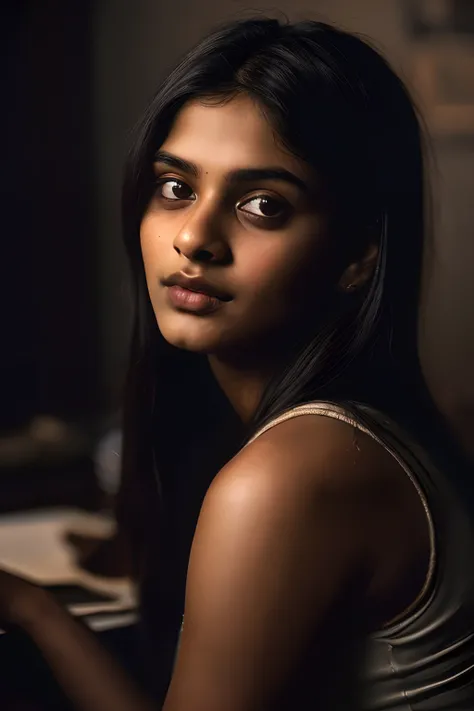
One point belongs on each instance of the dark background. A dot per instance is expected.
(49, 288)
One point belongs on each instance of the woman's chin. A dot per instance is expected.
(187, 344)
(196, 338)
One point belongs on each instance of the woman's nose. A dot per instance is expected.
(201, 240)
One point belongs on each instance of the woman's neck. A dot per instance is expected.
(242, 385)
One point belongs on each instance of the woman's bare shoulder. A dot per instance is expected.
(323, 453)
(345, 473)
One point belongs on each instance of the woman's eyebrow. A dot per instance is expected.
(240, 175)
(245, 175)
(178, 163)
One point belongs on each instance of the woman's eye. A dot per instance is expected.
(172, 189)
(263, 207)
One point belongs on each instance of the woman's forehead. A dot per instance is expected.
(232, 135)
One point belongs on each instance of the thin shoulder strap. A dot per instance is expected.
(326, 409)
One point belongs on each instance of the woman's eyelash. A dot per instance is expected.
(161, 182)
(263, 199)
(259, 199)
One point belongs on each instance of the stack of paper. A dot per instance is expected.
(33, 545)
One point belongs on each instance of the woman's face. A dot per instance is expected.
(234, 214)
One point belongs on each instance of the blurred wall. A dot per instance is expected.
(137, 43)
(48, 285)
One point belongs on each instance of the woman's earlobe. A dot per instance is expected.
(359, 273)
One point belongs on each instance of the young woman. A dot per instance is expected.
(274, 221)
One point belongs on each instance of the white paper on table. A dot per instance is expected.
(33, 545)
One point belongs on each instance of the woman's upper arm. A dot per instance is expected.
(274, 547)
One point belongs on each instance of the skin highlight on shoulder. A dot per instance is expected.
(346, 472)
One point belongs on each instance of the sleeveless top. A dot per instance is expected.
(424, 659)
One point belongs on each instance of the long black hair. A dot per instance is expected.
(336, 103)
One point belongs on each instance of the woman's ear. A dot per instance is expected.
(357, 274)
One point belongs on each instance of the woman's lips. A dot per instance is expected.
(192, 301)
